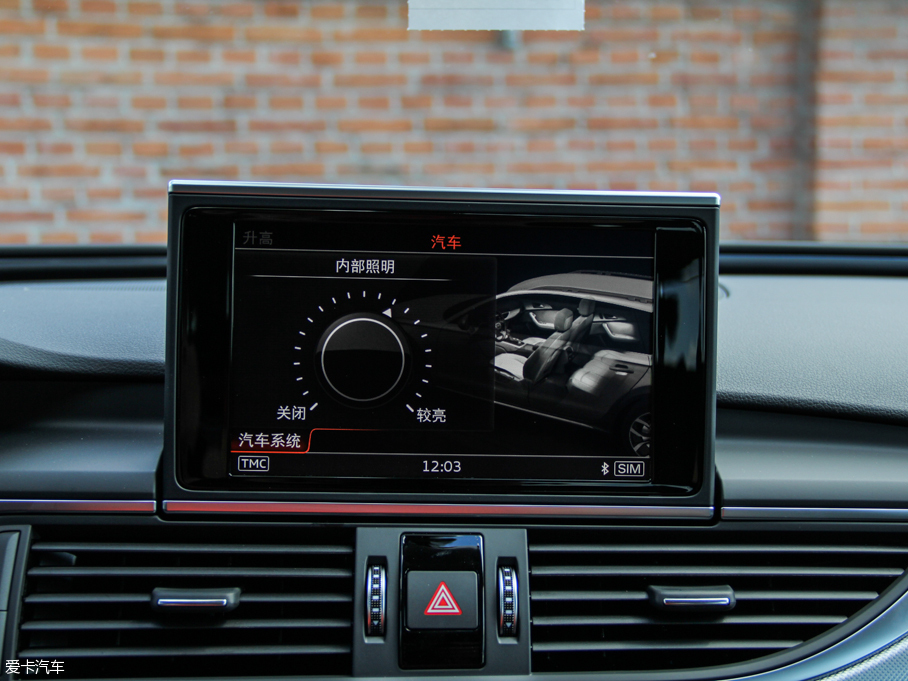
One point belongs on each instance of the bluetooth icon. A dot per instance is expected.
(605, 468)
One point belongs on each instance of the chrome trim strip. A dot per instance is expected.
(192, 602)
(330, 508)
(684, 602)
(75, 506)
(442, 193)
(811, 513)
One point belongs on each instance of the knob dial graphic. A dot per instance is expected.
(362, 359)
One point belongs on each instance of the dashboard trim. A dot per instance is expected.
(694, 512)
(443, 193)
(813, 513)
(76, 506)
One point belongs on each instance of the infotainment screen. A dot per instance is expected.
(428, 346)
(440, 347)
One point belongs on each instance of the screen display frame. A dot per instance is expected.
(199, 337)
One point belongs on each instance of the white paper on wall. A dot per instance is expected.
(496, 15)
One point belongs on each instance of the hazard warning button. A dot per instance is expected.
(442, 600)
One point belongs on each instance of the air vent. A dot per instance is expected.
(88, 603)
(594, 607)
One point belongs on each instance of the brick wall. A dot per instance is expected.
(103, 101)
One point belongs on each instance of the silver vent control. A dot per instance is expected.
(507, 601)
(376, 599)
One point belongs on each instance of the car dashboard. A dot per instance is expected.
(808, 529)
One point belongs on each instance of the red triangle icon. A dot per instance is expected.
(443, 603)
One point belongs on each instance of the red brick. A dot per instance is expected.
(283, 34)
(458, 101)
(693, 165)
(24, 124)
(281, 9)
(622, 123)
(376, 147)
(283, 80)
(457, 80)
(416, 101)
(755, 205)
(585, 57)
(886, 99)
(186, 78)
(424, 147)
(239, 56)
(216, 172)
(706, 122)
(543, 124)
(856, 76)
(624, 56)
(623, 35)
(50, 5)
(99, 30)
(714, 80)
(198, 56)
(64, 170)
(195, 102)
(771, 37)
(64, 148)
(241, 147)
(99, 6)
(10, 238)
(730, 37)
(450, 124)
(95, 215)
(150, 149)
(540, 79)
(286, 102)
(146, 54)
(662, 100)
(375, 125)
(639, 166)
(374, 103)
(51, 52)
(371, 12)
(327, 147)
(240, 102)
(57, 237)
(103, 148)
(857, 121)
(462, 36)
(102, 193)
(370, 58)
(327, 58)
(295, 169)
(21, 27)
(205, 149)
(12, 148)
(105, 125)
(624, 79)
(414, 57)
(550, 167)
(113, 77)
(197, 126)
(860, 33)
(149, 102)
(145, 8)
(286, 126)
(24, 75)
(377, 34)
(334, 11)
(151, 237)
(100, 53)
(194, 32)
(383, 80)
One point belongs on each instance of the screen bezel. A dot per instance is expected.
(199, 352)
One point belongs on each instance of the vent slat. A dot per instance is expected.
(611, 596)
(770, 595)
(208, 651)
(289, 549)
(146, 598)
(708, 570)
(106, 625)
(693, 549)
(187, 572)
(592, 646)
(617, 620)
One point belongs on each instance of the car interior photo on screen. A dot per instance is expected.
(444, 339)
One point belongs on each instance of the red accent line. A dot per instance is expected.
(296, 451)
